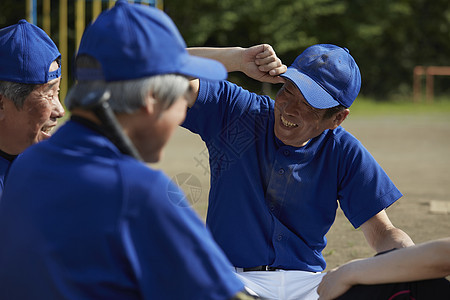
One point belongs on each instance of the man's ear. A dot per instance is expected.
(149, 107)
(340, 117)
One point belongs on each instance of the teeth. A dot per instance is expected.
(47, 130)
(287, 123)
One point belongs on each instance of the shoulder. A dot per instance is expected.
(350, 154)
(220, 104)
(140, 175)
(343, 137)
(342, 142)
(215, 91)
(152, 187)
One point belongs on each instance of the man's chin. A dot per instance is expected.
(279, 134)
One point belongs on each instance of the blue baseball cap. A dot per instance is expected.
(26, 53)
(326, 75)
(133, 41)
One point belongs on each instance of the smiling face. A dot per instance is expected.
(296, 122)
(35, 120)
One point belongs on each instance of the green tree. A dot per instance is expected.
(387, 38)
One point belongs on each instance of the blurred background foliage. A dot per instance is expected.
(386, 37)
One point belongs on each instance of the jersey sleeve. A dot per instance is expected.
(364, 188)
(221, 104)
(172, 253)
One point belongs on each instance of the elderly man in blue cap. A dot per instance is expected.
(93, 221)
(279, 168)
(30, 74)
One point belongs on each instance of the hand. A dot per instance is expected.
(333, 284)
(261, 63)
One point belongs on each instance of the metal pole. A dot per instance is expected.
(46, 20)
(63, 46)
(160, 4)
(79, 21)
(96, 8)
(31, 12)
(35, 12)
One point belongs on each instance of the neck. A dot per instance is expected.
(114, 131)
(8, 144)
(7, 156)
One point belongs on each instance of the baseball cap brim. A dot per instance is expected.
(313, 93)
(202, 68)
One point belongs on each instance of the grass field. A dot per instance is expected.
(367, 107)
(411, 141)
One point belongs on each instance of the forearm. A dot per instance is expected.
(426, 261)
(259, 62)
(230, 57)
(382, 235)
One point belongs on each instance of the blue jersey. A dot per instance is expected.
(80, 220)
(5, 163)
(272, 204)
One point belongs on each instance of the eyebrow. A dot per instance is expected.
(312, 108)
(303, 99)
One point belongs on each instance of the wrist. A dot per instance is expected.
(236, 59)
(350, 273)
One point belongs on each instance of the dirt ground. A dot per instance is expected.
(413, 150)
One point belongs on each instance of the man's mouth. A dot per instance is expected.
(287, 123)
(47, 130)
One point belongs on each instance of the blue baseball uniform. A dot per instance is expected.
(80, 220)
(272, 204)
(5, 163)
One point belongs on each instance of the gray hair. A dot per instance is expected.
(129, 95)
(16, 92)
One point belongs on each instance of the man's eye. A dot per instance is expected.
(288, 91)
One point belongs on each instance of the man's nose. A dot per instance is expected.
(58, 110)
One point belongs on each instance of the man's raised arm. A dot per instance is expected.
(258, 62)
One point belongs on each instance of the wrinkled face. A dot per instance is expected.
(38, 116)
(296, 122)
